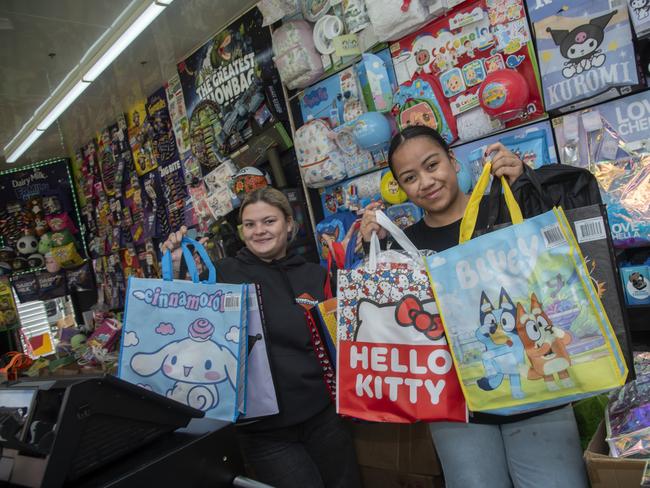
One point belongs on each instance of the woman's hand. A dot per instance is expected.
(173, 244)
(369, 222)
(504, 162)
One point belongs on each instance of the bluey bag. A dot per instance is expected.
(393, 362)
(584, 48)
(187, 340)
(321, 161)
(513, 347)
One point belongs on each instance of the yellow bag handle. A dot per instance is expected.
(470, 217)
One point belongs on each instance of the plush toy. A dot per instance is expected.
(36, 261)
(26, 245)
(40, 225)
(67, 256)
(45, 243)
(61, 238)
(19, 264)
(51, 205)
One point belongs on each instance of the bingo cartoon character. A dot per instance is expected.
(197, 364)
(545, 346)
(580, 45)
(504, 351)
(641, 8)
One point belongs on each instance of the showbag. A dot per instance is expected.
(393, 362)
(522, 341)
(187, 340)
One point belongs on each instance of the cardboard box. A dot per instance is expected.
(404, 448)
(382, 478)
(608, 472)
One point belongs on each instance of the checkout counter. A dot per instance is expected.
(103, 432)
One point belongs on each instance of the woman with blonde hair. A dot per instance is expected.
(306, 444)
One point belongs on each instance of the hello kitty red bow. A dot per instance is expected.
(409, 312)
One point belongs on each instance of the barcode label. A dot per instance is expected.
(590, 230)
(232, 303)
(553, 236)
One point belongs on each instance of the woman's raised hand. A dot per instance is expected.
(369, 222)
(504, 162)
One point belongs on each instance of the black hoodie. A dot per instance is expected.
(299, 382)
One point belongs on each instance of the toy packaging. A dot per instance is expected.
(514, 346)
(627, 420)
(140, 139)
(636, 283)
(640, 16)
(353, 194)
(584, 48)
(625, 188)
(481, 53)
(609, 131)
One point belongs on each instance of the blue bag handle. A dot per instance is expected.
(351, 260)
(167, 268)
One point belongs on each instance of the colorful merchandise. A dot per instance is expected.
(247, 180)
(337, 99)
(353, 194)
(584, 48)
(627, 420)
(67, 255)
(226, 82)
(476, 53)
(186, 340)
(331, 230)
(625, 188)
(404, 215)
(636, 283)
(295, 55)
(393, 361)
(420, 102)
(376, 79)
(392, 19)
(513, 347)
(321, 161)
(390, 190)
(640, 16)
(140, 141)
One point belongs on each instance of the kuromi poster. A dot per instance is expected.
(184, 340)
(393, 361)
(583, 50)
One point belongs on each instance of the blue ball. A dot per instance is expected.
(371, 130)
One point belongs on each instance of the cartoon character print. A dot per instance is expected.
(641, 8)
(419, 114)
(545, 346)
(504, 351)
(197, 364)
(580, 45)
(419, 316)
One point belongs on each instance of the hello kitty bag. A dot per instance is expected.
(393, 362)
(520, 340)
(187, 340)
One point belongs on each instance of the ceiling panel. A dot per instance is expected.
(69, 27)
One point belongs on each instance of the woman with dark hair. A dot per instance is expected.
(540, 449)
(306, 444)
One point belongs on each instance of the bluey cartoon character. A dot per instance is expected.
(580, 46)
(386, 323)
(197, 364)
(504, 351)
(641, 8)
(545, 346)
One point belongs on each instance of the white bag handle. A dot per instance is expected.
(397, 234)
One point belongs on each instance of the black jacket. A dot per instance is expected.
(299, 382)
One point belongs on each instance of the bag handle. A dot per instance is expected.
(396, 233)
(468, 224)
(167, 269)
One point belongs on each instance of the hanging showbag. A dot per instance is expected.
(584, 47)
(261, 398)
(393, 362)
(495, 301)
(187, 340)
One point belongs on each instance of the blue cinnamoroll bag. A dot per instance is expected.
(187, 340)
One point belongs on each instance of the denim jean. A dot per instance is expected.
(539, 452)
(317, 453)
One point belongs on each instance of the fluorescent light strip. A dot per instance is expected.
(24, 146)
(65, 102)
(134, 30)
(127, 37)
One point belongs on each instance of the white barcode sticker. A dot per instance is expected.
(590, 230)
(553, 236)
(232, 303)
